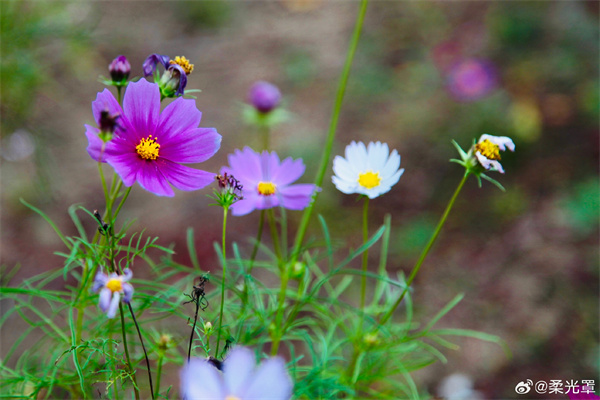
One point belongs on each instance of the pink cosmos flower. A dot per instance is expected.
(241, 379)
(148, 145)
(267, 182)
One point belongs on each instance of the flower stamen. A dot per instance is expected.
(266, 188)
(232, 397)
(115, 285)
(369, 179)
(183, 63)
(148, 148)
(489, 150)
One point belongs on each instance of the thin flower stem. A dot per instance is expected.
(129, 365)
(143, 348)
(193, 331)
(274, 236)
(159, 371)
(122, 201)
(365, 257)
(225, 210)
(279, 316)
(320, 174)
(332, 129)
(261, 224)
(434, 236)
(266, 136)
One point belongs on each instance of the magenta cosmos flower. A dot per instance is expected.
(267, 182)
(148, 145)
(241, 379)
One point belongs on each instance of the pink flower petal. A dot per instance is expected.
(245, 166)
(289, 171)
(182, 177)
(151, 178)
(192, 146)
(141, 105)
(297, 197)
(177, 118)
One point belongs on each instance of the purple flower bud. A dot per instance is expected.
(150, 64)
(119, 69)
(264, 96)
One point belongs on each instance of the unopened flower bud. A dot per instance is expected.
(264, 96)
(371, 339)
(298, 270)
(165, 341)
(208, 328)
(119, 69)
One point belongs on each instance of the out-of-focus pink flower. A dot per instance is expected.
(472, 79)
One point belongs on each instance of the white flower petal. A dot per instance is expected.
(271, 381)
(378, 155)
(201, 381)
(503, 142)
(490, 165)
(344, 170)
(238, 370)
(391, 166)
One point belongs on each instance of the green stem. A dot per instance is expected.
(225, 209)
(159, 371)
(274, 236)
(279, 329)
(332, 130)
(143, 348)
(417, 266)
(261, 225)
(122, 200)
(129, 365)
(365, 256)
(266, 136)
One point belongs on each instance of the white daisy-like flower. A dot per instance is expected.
(370, 170)
(487, 150)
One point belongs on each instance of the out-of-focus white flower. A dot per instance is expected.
(487, 150)
(240, 379)
(370, 170)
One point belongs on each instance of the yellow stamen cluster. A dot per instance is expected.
(232, 397)
(369, 179)
(266, 188)
(183, 63)
(148, 148)
(488, 149)
(115, 285)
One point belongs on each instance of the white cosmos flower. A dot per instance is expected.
(487, 150)
(370, 170)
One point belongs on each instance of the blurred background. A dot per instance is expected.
(424, 73)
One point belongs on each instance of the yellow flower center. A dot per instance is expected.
(488, 149)
(183, 63)
(232, 397)
(115, 285)
(148, 148)
(369, 179)
(266, 188)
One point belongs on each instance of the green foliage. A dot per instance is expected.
(337, 350)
